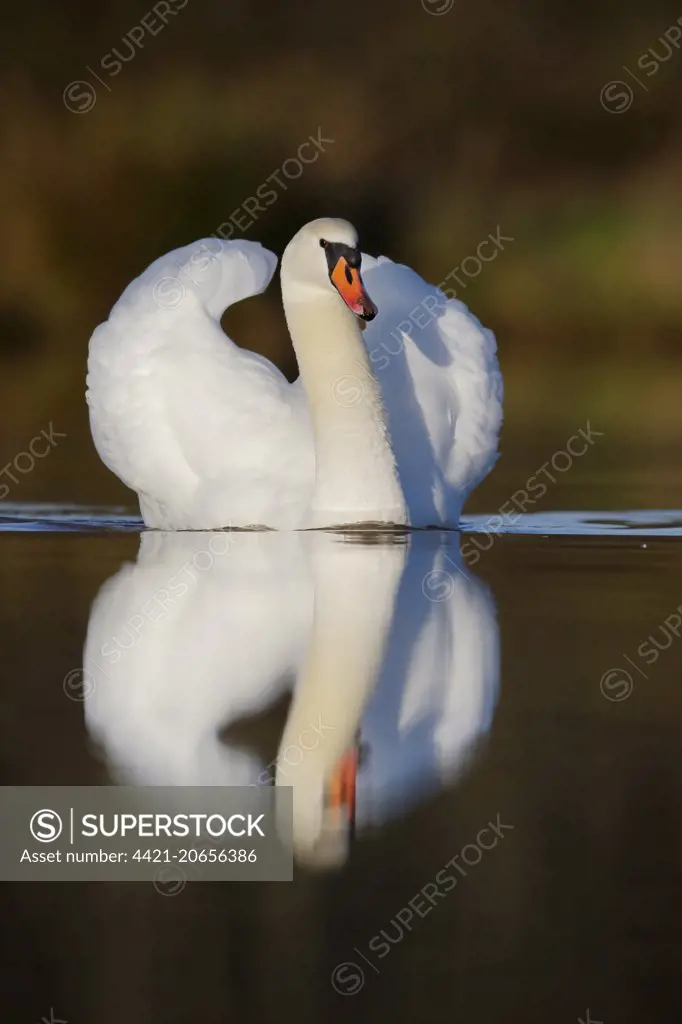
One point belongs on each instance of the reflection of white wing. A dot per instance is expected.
(200, 631)
(438, 688)
(209, 628)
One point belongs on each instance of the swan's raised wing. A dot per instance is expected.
(441, 384)
(180, 412)
(207, 276)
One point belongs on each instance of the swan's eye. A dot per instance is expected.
(324, 243)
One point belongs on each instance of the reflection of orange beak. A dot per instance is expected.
(348, 283)
(342, 786)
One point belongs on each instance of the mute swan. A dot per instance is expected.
(394, 425)
(206, 631)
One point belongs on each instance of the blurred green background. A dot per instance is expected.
(447, 126)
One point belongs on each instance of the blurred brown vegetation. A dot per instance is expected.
(445, 127)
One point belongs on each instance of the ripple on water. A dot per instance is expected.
(638, 523)
(49, 518)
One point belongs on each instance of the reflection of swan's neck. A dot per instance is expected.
(355, 588)
(355, 466)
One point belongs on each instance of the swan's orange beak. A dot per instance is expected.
(348, 283)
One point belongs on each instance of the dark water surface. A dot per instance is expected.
(534, 687)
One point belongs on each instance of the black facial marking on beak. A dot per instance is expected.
(338, 250)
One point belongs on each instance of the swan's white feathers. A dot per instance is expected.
(210, 434)
(209, 274)
(193, 423)
(438, 371)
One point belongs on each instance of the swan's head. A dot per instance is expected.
(324, 257)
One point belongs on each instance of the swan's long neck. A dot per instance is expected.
(355, 476)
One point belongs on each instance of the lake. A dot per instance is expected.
(505, 699)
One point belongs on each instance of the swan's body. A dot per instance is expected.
(396, 424)
(207, 630)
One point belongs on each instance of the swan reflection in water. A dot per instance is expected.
(360, 669)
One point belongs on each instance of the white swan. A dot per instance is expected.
(188, 649)
(396, 424)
